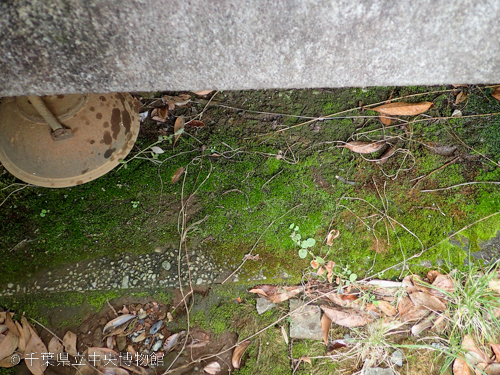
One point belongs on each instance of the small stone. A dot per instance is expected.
(199, 281)
(262, 305)
(94, 284)
(397, 358)
(166, 265)
(125, 282)
(10, 285)
(134, 282)
(305, 323)
(426, 263)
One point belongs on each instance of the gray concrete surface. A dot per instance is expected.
(68, 46)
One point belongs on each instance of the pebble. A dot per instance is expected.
(397, 358)
(125, 282)
(166, 265)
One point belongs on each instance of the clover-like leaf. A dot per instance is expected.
(302, 253)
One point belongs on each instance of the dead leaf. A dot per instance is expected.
(385, 120)
(117, 325)
(8, 345)
(422, 326)
(35, 346)
(334, 345)
(496, 351)
(274, 294)
(334, 233)
(326, 324)
(196, 123)
(320, 271)
(386, 155)
(439, 325)
(9, 322)
(361, 147)
(69, 342)
(387, 308)
(444, 283)
(212, 368)
(460, 367)
(492, 369)
(432, 274)
(203, 92)
(305, 359)
(472, 352)
(427, 300)
(414, 314)
(159, 114)
(178, 127)
(157, 150)
(329, 268)
(26, 330)
(22, 339)
(403, 109)
(494, 285)
(173, 101)
(461, 97)
(238, 353)
(496, 93)
(405, 305)
(346, 317)
(284, 334)
(55, 346)
(177, 175)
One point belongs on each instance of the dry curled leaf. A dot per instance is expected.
(203, 92)
(8, 345)
(37, 366)
(55, 346)
(415, 314)
(472, 352)
(305, 359)
(113, 327)
(443, 284)
(329, 269)
(212, 368)
(385, 120)
(496, 351)
(386, 155)
(460, 367)
(405, 305)
(238, 353)
(9, 322)
(428, 301)
(492, 369)
(361, 147)
(69, 342)
(334, 345)
(177, 175)
(403, 109)
(496, 93)
(439, 325)
(173, 101)
(159, 114)
(461, 97)
(276, 294)
(178, 127)
(387, 308)
(334, 233)
(326, 324)
(196, 123)
(346, 317)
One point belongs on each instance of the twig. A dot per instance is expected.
(256, 242)
(239, 191)
(15, 191)
(434, 171)
(464, 184)
(111, 307)
(272, 178)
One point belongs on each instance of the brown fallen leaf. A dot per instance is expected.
(177, 175)
(496, 93)
(173, 101)
(403, 109)
(472, 352)
(492, 369)
(427, 300)
(35, 346)
(334, 233)
(9, 322)
(326, 324)
(460, 367)
(334, 345)
(439, 325)
(69, 342)
(387, 308)
(461, 97)
(117, 325)
(305, 359)
(196, 123)
(432, 274)
(8, 345)
(159, 114)
(496, 351)
(385, 120)
(415, 314)
(212, 368)
(444, 284)
(320, 271)
(405, 305)
(112, 370)
(203, 92)
(329, 269)
(346, 317)
(276, 294)
(26, 329)
(422, 326)
(387, 154)
(55, 346)
(178, 127)
(7, 362)
(238, 353)
(22, 339)
(361, 147)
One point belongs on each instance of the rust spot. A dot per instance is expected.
(79, 182)
(85, 171)
(115, 121)
(107, 138)
(105, 125)
(109, 152)
(92, 141)
(92, 109)
(52, 184)
(87, 122)
(102, 98)
(126, 121)
(98, 116)
(75, 130)
(60, 96)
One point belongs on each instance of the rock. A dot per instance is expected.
(305, 323)
(166, 265)
(262, 305)
(378, 371)
(10, 285)
(397, 358)
(125, 282)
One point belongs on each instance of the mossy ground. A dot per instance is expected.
(255, 178)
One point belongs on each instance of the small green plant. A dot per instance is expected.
(348, 276)
(305, 246)
(44, 213)
(135, 204)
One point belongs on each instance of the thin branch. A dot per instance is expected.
(464, 184)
